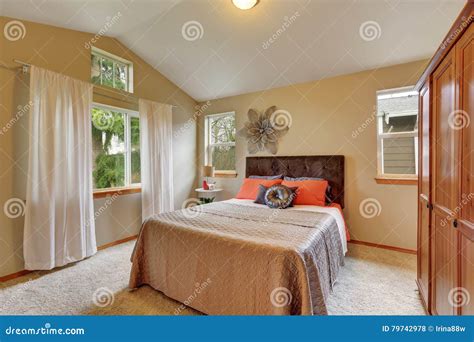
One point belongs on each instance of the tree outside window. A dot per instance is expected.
(220, 141)
(116, 148)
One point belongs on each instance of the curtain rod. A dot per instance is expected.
(27, 65)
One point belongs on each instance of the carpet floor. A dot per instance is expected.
(374, 281)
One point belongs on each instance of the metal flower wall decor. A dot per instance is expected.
(263, 131)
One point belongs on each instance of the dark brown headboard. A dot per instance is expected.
(327, 167)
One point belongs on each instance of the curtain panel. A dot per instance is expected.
(59, 219)
(156, 157)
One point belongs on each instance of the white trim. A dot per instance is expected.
(396, 92)
(131, 112)
(106, 54)
(207, 143)
(385, 94)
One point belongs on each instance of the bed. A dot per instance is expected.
(236, 257)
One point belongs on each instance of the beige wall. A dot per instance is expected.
(324, 115)
(64, 51)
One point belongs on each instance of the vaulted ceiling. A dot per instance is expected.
(211, 49)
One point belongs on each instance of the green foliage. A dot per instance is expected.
(109, 171)
(106, 124)
(203, 200)
(110, 168)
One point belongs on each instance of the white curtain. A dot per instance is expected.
(156, 157)
(59, 219)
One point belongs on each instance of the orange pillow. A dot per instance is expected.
(310, 192)
(249, 188)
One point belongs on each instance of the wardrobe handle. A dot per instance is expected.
(455, 223)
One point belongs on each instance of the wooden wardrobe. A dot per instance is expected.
(446, 174)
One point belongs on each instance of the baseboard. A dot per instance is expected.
(392, 248)
(118, 242)
(107, 245)
(14, 275)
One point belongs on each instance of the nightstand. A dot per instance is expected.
(207, 193)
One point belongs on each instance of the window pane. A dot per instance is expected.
(399, 156)
(223, 157)
(120, 76)
(107, 72)
(400, 124)
(222, 129)
(399, 113)
(108, 148)
(95, 69)
(135, 146)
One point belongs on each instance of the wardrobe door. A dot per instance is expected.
(464, 296)
(444, 187)
(423, 244)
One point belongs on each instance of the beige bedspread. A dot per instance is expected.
(229, 259)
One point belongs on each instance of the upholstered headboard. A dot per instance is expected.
(327, 167)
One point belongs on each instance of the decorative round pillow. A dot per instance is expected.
(279, 196)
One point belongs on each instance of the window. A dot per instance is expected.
(111, 71)
(397, 132)
(116, 147)
(220, 142)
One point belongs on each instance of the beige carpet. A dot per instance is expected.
(373, 282)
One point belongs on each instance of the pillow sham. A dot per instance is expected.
(249, 188)
(310, 192)
(329, 197)
(279, 196)
(266, 177)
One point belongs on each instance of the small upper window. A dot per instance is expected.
(397, 128)
(111, 71)
(220, 142)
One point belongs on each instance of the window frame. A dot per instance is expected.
(394, 178)
(208, 145)
(115, 59)
(128, 187)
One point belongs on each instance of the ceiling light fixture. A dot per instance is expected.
(244, 4)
